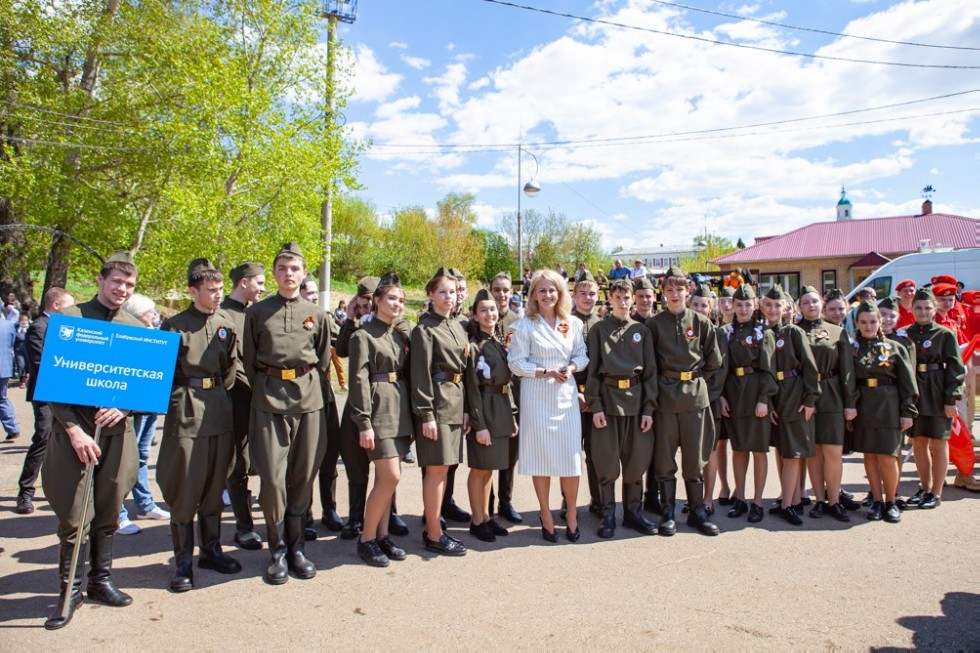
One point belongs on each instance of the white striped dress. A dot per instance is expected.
(551, 427)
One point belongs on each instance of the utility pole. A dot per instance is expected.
(346, 11)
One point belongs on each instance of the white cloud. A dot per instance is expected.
(398, 45)
(418, 63)
(371, 80)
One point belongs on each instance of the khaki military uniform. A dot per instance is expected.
(581, 376)
(750, 381)
(285, 342)
(490, 403)
(940, 374)
(886, 392)
(63, 474)
(832, 353)
(799, 385)
(439, 348)
(198, 442)
(505, 477)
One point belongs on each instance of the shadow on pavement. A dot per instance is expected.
(956, 629)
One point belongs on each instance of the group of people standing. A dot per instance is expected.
(538, 395)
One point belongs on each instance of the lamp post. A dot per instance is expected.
(531, 189)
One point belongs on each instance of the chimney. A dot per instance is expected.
(927, 207)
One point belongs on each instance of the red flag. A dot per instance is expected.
(961, 452)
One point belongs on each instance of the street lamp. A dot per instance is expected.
(531, 189)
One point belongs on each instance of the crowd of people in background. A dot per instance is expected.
(546, 382)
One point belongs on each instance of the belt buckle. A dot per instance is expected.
(872, 383)
(287, 375)
(923, 367)
(207, 384)
(623, 384)
(392, 377)
(581, 389)
(687, 376)
(819, 377)
(457, 378)
(780, 376)
(739, 371)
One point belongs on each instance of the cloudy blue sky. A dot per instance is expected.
(650, 136)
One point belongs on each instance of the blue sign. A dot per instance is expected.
(95, 363)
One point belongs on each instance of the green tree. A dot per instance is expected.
(708, 246)
(740, 244)
(497, 256)
(356, 231)
(459, 243)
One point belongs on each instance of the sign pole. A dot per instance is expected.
(86, 493)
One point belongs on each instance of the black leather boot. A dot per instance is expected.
(277, 572)
(245, 535)
(100, 586)
(668, 494)
(652, 501)
(296, 555)
(183, 576)
(355, 520)
(698, 516)
(633, 510)
(607, 499)
(211, 556)
(71, 591)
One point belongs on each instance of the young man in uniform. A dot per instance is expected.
(644, 297)
(55, 299)
(621, 391)
(198, 434)
(687, 357)
(286, 339)
(248, 281)
(585, 295)
(500, 290)
(72, 447)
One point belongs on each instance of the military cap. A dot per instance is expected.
(944, 290)
(198, 266)
(924, 294)
(889, 302)
(832, 294)
(809, 289)
(290, 249)
(504, 273)
(453, 272)
(904, 283)
(866, 307)
(367, 286)
(726, 291)
(443, 271)
(245, 270)
(308, 278)
(482, 296)
(743, 292)
(587, 277)
(121, 256)
(389, 279)
(674, 271)
(641, 283)
(702, 290)
(776, 292)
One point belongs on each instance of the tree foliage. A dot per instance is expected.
(551, 238)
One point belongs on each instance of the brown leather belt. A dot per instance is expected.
(385, 377)
(621, 382)
(874, 383)
(786, 374)
(287, 375)
(829, 375)
(205, 383)
(450, 377)
(742, 371)
(496, 389)
(683, 376)
(922, 368)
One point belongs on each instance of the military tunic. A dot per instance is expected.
(439, 348)
(799, 385)
(717, 385)
(940, 374)
(750, 381)
(291, 337)
(384, 405)
(890, 394)
(63, 474)
(505, 477)
(197, 445)
(490, 403)
(831, 347)
(588, 321)
(622, 384)
(241, 406)
(684, 344)
(357, 465)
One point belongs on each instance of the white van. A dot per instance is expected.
(964, 264)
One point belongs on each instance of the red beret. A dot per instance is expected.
(944, 290)
(972, 297)
(905, 283)
(944, 278)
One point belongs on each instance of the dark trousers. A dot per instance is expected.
(505, 477)
(39, 445)
(328, 468)
(241, 407)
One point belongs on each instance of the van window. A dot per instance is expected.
(882, 286)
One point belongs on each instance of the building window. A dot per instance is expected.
(790, 282)
(828, 281)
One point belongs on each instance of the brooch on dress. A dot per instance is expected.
(563, 329)
(689, 333)
(309, 323)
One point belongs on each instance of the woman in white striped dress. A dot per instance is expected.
(546, 348)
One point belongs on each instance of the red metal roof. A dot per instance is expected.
(869, 260)
(841, 238)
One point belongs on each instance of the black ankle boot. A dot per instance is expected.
(633, 510)
(100, 586)
(698, 516)
(71, 592)
(296, 549)
(668, 493)
(211, 556)
(183, 539)
(277, 572)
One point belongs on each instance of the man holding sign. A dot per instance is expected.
(71, 448)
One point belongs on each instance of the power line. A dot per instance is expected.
(812, 29)
(746, 46)
(494, 147)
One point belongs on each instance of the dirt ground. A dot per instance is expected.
(825, 585)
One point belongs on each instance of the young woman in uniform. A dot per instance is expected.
(381, 410)
(726, 314)
(700, 303)
(439, 348)
(749, 389)
(890, 309)
(885, 407)
(940, 374)
(831, 349)
(491, 414)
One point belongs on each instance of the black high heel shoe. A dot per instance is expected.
(549, 536)
(571, 535)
